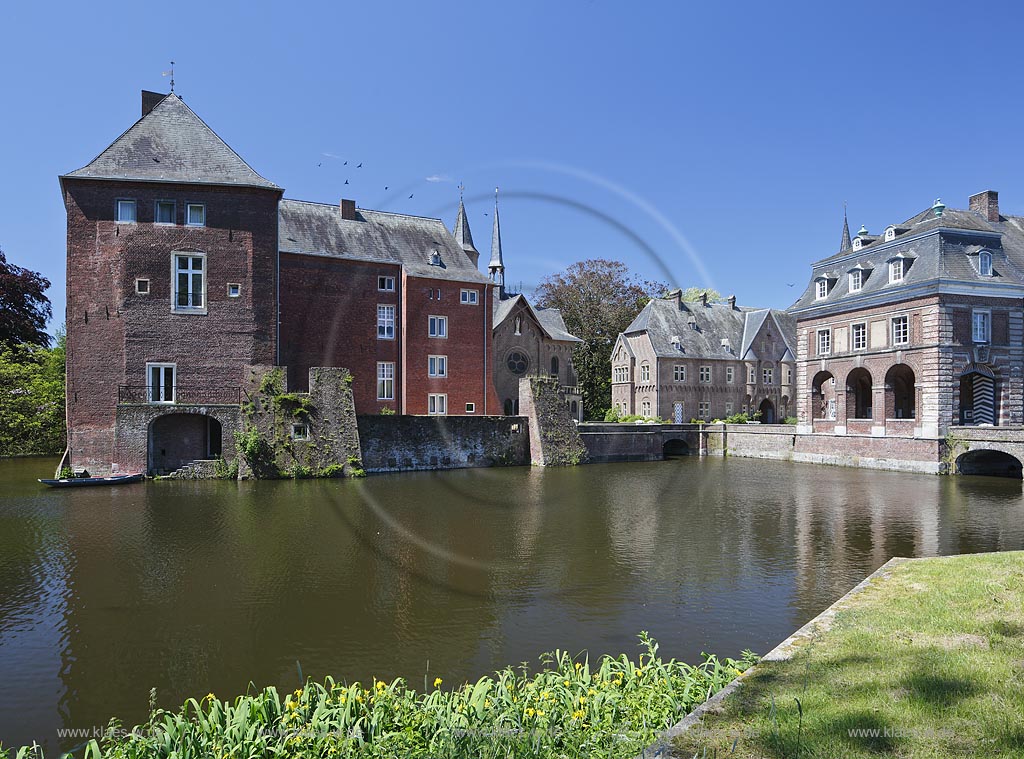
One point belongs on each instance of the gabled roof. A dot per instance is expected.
(319, 229)
(934, 258)
(549, 319)
(700, 329)
(172, 144)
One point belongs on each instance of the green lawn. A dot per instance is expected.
(926, 661)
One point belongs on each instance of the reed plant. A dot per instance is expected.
(571, 707)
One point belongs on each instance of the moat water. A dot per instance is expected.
(197, 587)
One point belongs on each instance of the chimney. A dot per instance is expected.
(732, 302)
(149, 100)
(704, 298)
(348, 209)
(676, 296)
(987, 204)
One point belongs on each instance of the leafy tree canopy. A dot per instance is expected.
(598, 300)
(694, 293)
(24, 307)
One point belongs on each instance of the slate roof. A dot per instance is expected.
(948, 256)
(664, 319)
(172, 144)
(318, 229)
(550, 319)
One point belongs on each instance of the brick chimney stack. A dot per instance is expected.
(348, 209)
(732, 302)
(987, 204)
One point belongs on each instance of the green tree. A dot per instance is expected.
(693, 293)
(31, 400)
(598, 300)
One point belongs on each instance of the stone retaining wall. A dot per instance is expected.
(409, 443)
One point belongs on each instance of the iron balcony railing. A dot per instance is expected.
(180, 394)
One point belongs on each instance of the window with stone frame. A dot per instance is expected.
(730, 374)
(859, 336)
(897, 269)
(679, 373)
(981, 326)
(703, 410)
(385, 322)
(645, 372)
(189, 282)
(385, 381)
(900, 330)
(437, 404)
(824, 342)
(767, 375)
(705, 375)
(856, 280)
(645, 408)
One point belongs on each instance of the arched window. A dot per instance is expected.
(554, 366)
(985, 263)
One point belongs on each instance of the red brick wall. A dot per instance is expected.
(468, 346)
(113, 332)
(329, 318)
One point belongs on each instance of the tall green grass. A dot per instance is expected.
(570, 708)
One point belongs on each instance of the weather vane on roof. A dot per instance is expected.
(170, 73)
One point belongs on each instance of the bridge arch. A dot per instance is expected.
(675, 447)
(991, 462)
(176, 439)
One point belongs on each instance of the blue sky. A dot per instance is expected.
(707, 144)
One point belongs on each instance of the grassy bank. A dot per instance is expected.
(926, 661)
(570, 708)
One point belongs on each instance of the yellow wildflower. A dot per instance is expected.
(437, 681)
(579, 666)
(380, 685)
(591, 691)
(565, 683)
(583, 699)
(530, 711)
(298, 692)
(578, 714)
(210, 696)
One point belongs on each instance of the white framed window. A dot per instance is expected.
(300, 431)
(470, 408)
(126, 212)
(645, 372)
(981, 323)
(437, 404)
(824, 342)
(385, 322)
(386, 284)
(164, 212)
(730, 374)
(856, 280)
(189, 277)
(985, 263)
(788, 374)
(900, 330)
(751, 375)
(195, 215)
(385, 381)
(234, 290)
(621, 374)
(890, 234)
(679, 373)
(728, 408)
(705, 374)
(142, 286)
(896, 270)
(161, 382)
(645, 408)
(437, 366)
(434, 293)
(469, 297)
(703, 410)
(438, 326)
(820, 288)
(859, 336)
(767, 375)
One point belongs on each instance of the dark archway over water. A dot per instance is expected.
(676, 447)
(991, 463)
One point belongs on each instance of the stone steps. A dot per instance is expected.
(200, 469)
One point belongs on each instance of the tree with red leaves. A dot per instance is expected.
(24, 307)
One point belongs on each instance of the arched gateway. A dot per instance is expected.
(177, 439)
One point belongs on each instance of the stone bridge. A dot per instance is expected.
(986, 450)
(643, 442)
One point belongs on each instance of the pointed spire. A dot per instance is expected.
(462, 233)
(496, 267)
(846, 244)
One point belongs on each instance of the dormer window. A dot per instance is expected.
(897, 269)
(985, 263)
(820, 288)
(726, 345)
(435, 259)
(890, 233)
(856, 280)
(857, 242)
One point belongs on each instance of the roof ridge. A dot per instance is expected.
(360, 208)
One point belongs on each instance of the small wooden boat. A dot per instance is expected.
(81, 482)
